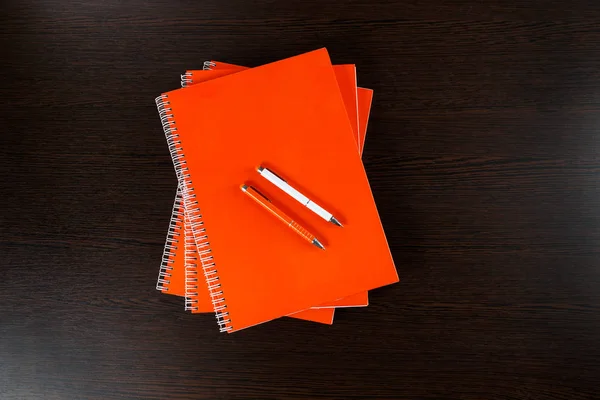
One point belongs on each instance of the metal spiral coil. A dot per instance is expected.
(186, 79)
(193, 221)
(191, 269)
(208, 65)
(171, 244)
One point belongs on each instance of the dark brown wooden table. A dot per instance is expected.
(483, 153)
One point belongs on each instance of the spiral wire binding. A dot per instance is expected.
(208, 65)
(191, 269)
(194, 217)
(186, 79)
(190, 255)
(171, 243)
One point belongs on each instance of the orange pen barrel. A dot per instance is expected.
(302, 232)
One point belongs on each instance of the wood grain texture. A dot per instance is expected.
(483, 155)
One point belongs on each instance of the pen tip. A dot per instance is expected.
(335, 222)
(318, 244)
(259, 168)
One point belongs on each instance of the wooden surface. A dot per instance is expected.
(483, 155)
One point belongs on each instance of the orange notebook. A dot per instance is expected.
(290, 117)
(198, 300)
(346, 77)
(202, 301)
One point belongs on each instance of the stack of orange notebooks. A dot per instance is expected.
(239, 244)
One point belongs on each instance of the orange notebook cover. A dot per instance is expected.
(346, 76)
(290, 117)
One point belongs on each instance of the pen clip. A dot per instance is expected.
(260, 169)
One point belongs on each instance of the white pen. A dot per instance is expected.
(302, 199)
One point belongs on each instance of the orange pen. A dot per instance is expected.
(266, 203)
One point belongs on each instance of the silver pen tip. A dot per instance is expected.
(259, 168)
(244, 187)
(335, 222)
(318, 244)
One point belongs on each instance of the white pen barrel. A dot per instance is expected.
(317, 209)
(283, 185)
